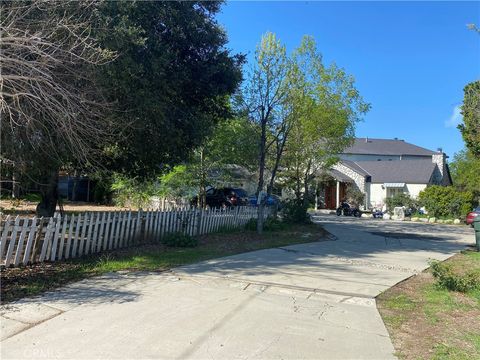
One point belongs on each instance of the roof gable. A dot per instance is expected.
(367, 146)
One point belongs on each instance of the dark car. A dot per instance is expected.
(472, 215)
(225, 197)
(241, 195)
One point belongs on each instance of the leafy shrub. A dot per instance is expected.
(130, 192)
(402, 200)
(295, 212)
(448, 279)
(251, 225)
(178, 182)
(446, 201)
(270, 224)
(179, 240)
(354, 196)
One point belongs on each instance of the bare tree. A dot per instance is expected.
(50, 107)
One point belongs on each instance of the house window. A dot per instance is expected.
(391, 192)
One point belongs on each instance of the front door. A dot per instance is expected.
(331, 195)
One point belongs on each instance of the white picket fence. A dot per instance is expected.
(26, 240)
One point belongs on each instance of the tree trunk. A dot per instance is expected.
(49, 193)
(261, 171)
(261, 211)
(305, 183)
(15, 185)
(298, 191)
(202, 192)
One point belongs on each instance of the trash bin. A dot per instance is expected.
(476, 226)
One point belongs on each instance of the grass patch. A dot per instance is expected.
(34, 279)
(428, 320)
(436, 302)
(400, 302)
(448, 352)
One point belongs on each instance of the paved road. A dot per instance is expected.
(311, 301)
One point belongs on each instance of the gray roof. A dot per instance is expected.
(355, 167)
(337, 175)
(408, 171)
(386, 147)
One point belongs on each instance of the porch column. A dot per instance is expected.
(338, 194)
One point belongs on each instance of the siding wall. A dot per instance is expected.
(378, 195)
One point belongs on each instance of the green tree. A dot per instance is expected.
(171, 81)
(234, 142)
(177, 183)
(264, 98)
(331, 107)
(231, 143)
(306, 112)
(470, 128)
(465, 170)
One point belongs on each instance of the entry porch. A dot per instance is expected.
(332, 189)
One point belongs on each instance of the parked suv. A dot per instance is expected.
(225, 197)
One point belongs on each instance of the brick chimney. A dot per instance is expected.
(440, 158)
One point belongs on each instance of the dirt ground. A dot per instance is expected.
(27, 207)
(427, 322)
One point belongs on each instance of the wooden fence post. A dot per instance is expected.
(37, 240)
(3, 236)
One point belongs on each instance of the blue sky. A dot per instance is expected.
(410, 60)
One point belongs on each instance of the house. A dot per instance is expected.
(382, 168)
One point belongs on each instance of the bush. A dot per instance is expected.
(129, 192)
(354, 196)
(270, 224)
(402, 200)
(251, 225)
(446, 201)
(448, 279)
(295, 212)
(179, 240)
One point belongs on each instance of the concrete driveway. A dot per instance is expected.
(311, 301)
